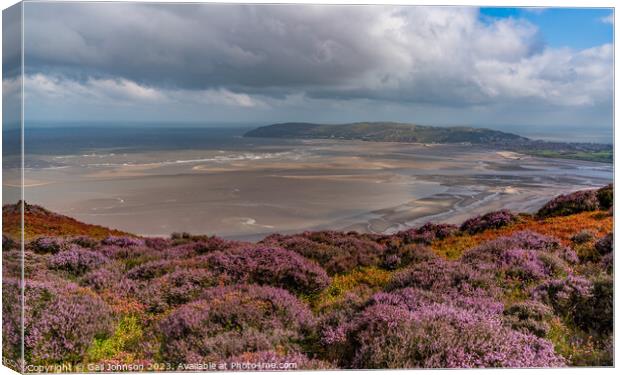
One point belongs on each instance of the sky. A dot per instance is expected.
(259, 64)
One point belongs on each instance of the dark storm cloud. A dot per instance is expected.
(197, 46)
(290, 58)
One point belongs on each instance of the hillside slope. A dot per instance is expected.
(41, 222)
(399, 132)
(385, 132)
(500, 290)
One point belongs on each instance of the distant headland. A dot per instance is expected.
(412, 133)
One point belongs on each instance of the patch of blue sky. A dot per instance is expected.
(576, 28)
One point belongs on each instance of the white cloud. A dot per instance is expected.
(121, 91)
(219, 96)
(608, 19)
(124, 89)
(277, 56)
(555, 76)
(117, 91)
(11, 86)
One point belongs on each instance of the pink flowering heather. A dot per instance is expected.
(176, 288)
(77, 261)
(214, 243)
(122, 241)
(101, 278)
(84, 241)
(378, 300)
(11, 317)
(61, 322)
(565, 294)
(131, 255)
(413, 298)
(427, 233)
(530, 265)
(157, 243)
(199, 245)
(234, 320)
(523, 264)
(589, 304)
(494, 252)
(334, 320)
(491, 220)
(153, 269)
(183, 251)
(47, 245)
(442, 276)
(439, 336)
(269, 265)
(528, 239)
(400, 256)
(335, 251)
(568, 204)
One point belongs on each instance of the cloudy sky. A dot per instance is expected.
(271, 63)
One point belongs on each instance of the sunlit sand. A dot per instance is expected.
(352, 185)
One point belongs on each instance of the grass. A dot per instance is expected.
(128, 334)
(605, 156)
(369, 278)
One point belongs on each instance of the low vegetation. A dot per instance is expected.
(501, 290)
(411, 133)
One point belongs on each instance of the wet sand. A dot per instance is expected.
(305, 185)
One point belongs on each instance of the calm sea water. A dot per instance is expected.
(563, 133)
(76, 140)
(45, 139)
(156, 181)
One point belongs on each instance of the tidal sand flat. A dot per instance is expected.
(247, 189)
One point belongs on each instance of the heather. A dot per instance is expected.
(11, 317)
(442, 276)
(605, 245)
(586, 303)
(605, 196)
(500, 290)
(567, 204)
(176, 288)
(60, 322)
(582, 237)
(152, 269)
(491, 220)
(77, 261)
(271, 266)
(101, 278)
(340, 253)
(230, 321)
(437, 335)
(524, 256)
(529, 317)
(427, 233)
(562, 228)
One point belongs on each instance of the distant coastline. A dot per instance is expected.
(412, 133)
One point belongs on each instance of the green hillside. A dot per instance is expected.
(384, 132)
